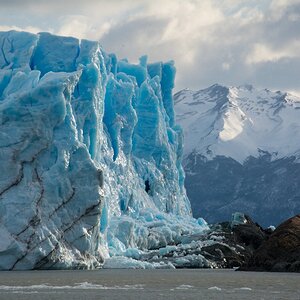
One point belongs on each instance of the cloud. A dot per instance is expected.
(80, 26)
(261, 53)
(231, 42)
(26, 28)
(227, 41)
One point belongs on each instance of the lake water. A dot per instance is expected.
(148, 284)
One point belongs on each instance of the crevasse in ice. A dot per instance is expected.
(90, 155)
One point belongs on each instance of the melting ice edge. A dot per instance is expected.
(90, 156)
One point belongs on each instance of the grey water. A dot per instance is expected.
(148, 284)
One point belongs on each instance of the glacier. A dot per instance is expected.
(90, 156)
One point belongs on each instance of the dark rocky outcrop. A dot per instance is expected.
(238, 241)
(281, 251)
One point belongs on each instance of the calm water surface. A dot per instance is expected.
(148, 284)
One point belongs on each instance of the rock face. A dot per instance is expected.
(241, 152)
(235, 242)
(281, 251)
(90, 155)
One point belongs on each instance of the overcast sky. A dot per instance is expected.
(231, 42)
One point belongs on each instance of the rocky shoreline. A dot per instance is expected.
(241, 244)
(252, 248)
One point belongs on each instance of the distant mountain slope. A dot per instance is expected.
(241, 152)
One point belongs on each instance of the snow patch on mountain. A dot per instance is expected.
(239, 122)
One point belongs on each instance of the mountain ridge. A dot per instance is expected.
(238, 117)
(241, 152)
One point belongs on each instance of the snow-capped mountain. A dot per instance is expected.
(241, 151)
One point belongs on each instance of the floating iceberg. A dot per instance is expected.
(90, 155)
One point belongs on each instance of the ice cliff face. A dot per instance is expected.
(90, 155)
(241, 152)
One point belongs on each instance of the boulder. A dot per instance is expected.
(281, 251)
(238, 240)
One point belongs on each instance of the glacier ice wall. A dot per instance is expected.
(90, 155)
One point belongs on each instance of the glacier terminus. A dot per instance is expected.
(90, 156)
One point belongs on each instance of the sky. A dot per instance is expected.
(230, 42)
